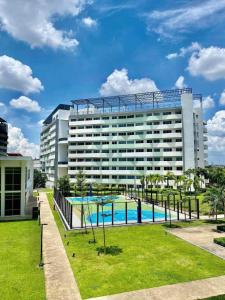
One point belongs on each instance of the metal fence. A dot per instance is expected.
(110, 213)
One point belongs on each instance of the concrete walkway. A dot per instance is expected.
(202, 236)
(198, 289)
(59, 279)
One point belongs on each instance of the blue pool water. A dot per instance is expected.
(119, 216)
(92, 199)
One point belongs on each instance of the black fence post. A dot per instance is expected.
(189, 207)
(174, 207)
(126, 212)
(197, 206)
(165, 205)
(178, 208)
(112, 213)
(153, 211)
(71, 216)
(139, 211)
(97, 221)
(82, 216)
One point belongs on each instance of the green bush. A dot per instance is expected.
(220, 227)
(220, 241)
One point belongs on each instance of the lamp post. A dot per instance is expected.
(41, 263)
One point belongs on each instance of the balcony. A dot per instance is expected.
(63, 163)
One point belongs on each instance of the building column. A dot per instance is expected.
(188, 131)
(23, 181)
(2, 191)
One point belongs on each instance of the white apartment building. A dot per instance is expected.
(16, 186)
(115, 140)
(54, 144)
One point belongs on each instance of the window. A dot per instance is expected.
(114, 117)
(156, 132)
(139, 124)
(166, 113)
(168, 158)
(140, 168)
(156, 150)
(178, 140)
(157, 159)
(12, 179)
(167, 122)
(12, 204)
(156, 123)
(139, 116)
(130, 116)
(179, 149)
(167, 131)
(177, 121)
(178, 131)
(179, 168)
(168, 168)
(157, 168)
(139, 159)
(167, 141)
(149, 159)
(167, 149)
(122, 117)
(139, 150)
(149, 132)
(149, 168)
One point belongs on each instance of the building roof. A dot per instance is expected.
(48, 120)
(14, 154)
(2, 120)
(138, 101)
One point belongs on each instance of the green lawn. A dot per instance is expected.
(144, 257)
(20, 276)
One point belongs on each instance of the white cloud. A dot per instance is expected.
(32, 21)
(207, 102)
(216, 137)
(25, 103)
(222, 98)
(179, 84)
(40, 123)
(89, 22)
(209, 63)
(195, 46)
(183, 19)
(17, 76)
(19, 144)
(3, 109)
(119, 83)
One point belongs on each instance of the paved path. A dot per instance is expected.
(59, 280)
(192, 290)
(202, 236)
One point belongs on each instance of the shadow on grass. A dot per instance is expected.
(214, 221)
(111, 250)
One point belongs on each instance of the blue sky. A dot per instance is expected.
(82, 48)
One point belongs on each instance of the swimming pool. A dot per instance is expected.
(120, 216)
(89, 199)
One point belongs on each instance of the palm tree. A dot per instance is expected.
(142, 181)
(151, 180)
(158, 178)
(169, 176)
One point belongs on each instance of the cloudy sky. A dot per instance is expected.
(58, 50)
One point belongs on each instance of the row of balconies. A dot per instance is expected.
(125, 163)
(127, 120)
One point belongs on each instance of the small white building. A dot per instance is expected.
(16, 186)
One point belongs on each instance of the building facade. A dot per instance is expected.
(116, 140)
(3, 137)
(16, 185)
(16, 181)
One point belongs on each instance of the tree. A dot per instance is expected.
(39, 179)
(169, 176)
(212, 197)
(158, 178)
(142, 181)
(63, 184)
(81, 183)
(151, 180)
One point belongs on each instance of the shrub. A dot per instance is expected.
(220, 241)
(220, 227)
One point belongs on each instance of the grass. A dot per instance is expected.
(139, 257)
(20, 276)
(220, 241)
(221, 297)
